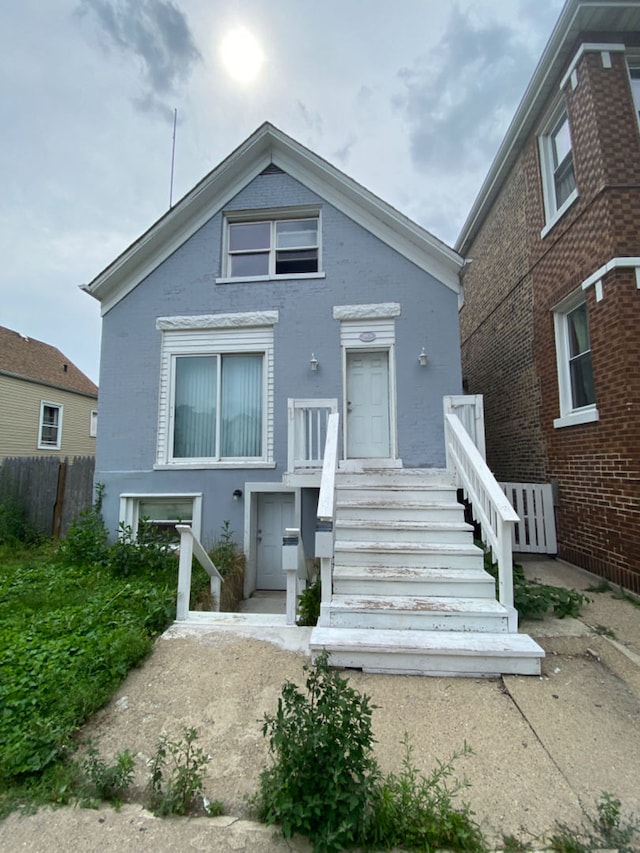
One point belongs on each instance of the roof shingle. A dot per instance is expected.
(30, 359)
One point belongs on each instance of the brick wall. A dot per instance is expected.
(508, 343)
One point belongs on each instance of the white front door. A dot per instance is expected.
(275, 512)
(368, 434)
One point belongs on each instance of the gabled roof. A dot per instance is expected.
(25, 358)
(606, 21)
(270, 145)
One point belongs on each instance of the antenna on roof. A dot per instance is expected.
(173, 156)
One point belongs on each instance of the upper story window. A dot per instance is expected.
(558, 175)
(267, 248)
(50, 429)
(575, 371)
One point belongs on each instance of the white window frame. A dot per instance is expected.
(93, 423)
(633, 67)
(273, 216)
(552, 211)
(215, 335)
(130, 508)
(47, 445)
(569, 415)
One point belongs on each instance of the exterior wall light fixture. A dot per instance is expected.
(314, 362)
(237, 494)
(423, 358)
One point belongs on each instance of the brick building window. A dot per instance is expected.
(556, 163)
(575, 372)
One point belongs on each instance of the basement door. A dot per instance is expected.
(275, 512)
(368, 434)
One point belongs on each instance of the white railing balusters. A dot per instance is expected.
(325, 527)
(308, 421)
(489, 504)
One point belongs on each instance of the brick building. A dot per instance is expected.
(550, 325)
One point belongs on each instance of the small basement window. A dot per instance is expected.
(159, 514)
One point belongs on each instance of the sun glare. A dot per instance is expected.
(242, 55)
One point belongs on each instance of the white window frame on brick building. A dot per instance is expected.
(272, 244)
(559, 189)
(576, 387)
(634, 77)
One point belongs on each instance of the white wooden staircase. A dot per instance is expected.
(409, 590)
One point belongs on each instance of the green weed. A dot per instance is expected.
(323, 773)
(309, 603)
(175, 781)
(105, 782)
(608, 831)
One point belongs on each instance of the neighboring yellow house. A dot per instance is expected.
(48, 407)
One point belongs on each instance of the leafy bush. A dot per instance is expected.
(86, 542)
(134, 555)
(175, 782)
(14, 527)
(323, 772)
(102, 781)
(533, 599)
(417, 812)
(225, 551)
(309, 603)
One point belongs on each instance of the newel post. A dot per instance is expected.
(184, 572)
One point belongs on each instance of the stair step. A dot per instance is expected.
(409, 554)
(400, 509)
(387, 580)
(396, 492)
(449, 653)
(419, 613)
(389, 530)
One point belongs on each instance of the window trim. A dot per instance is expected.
(633, 68)
(44, 445)
(130, 502)
(228, 334)
(271, 215)
(569, 416)
(552, 211)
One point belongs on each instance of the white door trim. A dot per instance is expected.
(392, 460)
(250, 542)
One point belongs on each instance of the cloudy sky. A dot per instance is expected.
(409, 97)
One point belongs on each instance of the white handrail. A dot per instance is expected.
(490, 505)
(191, 547)
(325, 533)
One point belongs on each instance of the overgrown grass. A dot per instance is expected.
(69, 633)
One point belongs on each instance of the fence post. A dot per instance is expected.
(58, 507)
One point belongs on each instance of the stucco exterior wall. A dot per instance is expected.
(20, 420)
(358, 268)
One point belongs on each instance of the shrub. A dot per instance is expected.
(323, 771)
(417, 812)
(14, 527)
(309, 603)
(86, 542)
(176, 776)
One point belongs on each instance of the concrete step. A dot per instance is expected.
(447, 653)
(418, 613)
(390, 476)
(387, 580)
(398, 509)
(416, 492)
(410, 555)
(391, 530)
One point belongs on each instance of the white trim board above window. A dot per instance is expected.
(278, 244)
(50, 426)
(557, 170)
(573, 354)
(216, 398)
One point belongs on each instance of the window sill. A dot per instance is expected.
(244, 280)
(555, 217)
(198, 466)
(580, 416)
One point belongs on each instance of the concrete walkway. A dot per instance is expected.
(544, 748)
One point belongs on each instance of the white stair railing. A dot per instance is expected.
(294, 566)
(308, 421)
(191, 547)
(470, 409)
(325, 528)
(490, 506)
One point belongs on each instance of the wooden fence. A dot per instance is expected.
(51, 491)
(535, 533)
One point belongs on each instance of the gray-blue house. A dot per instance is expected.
(276, 292)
